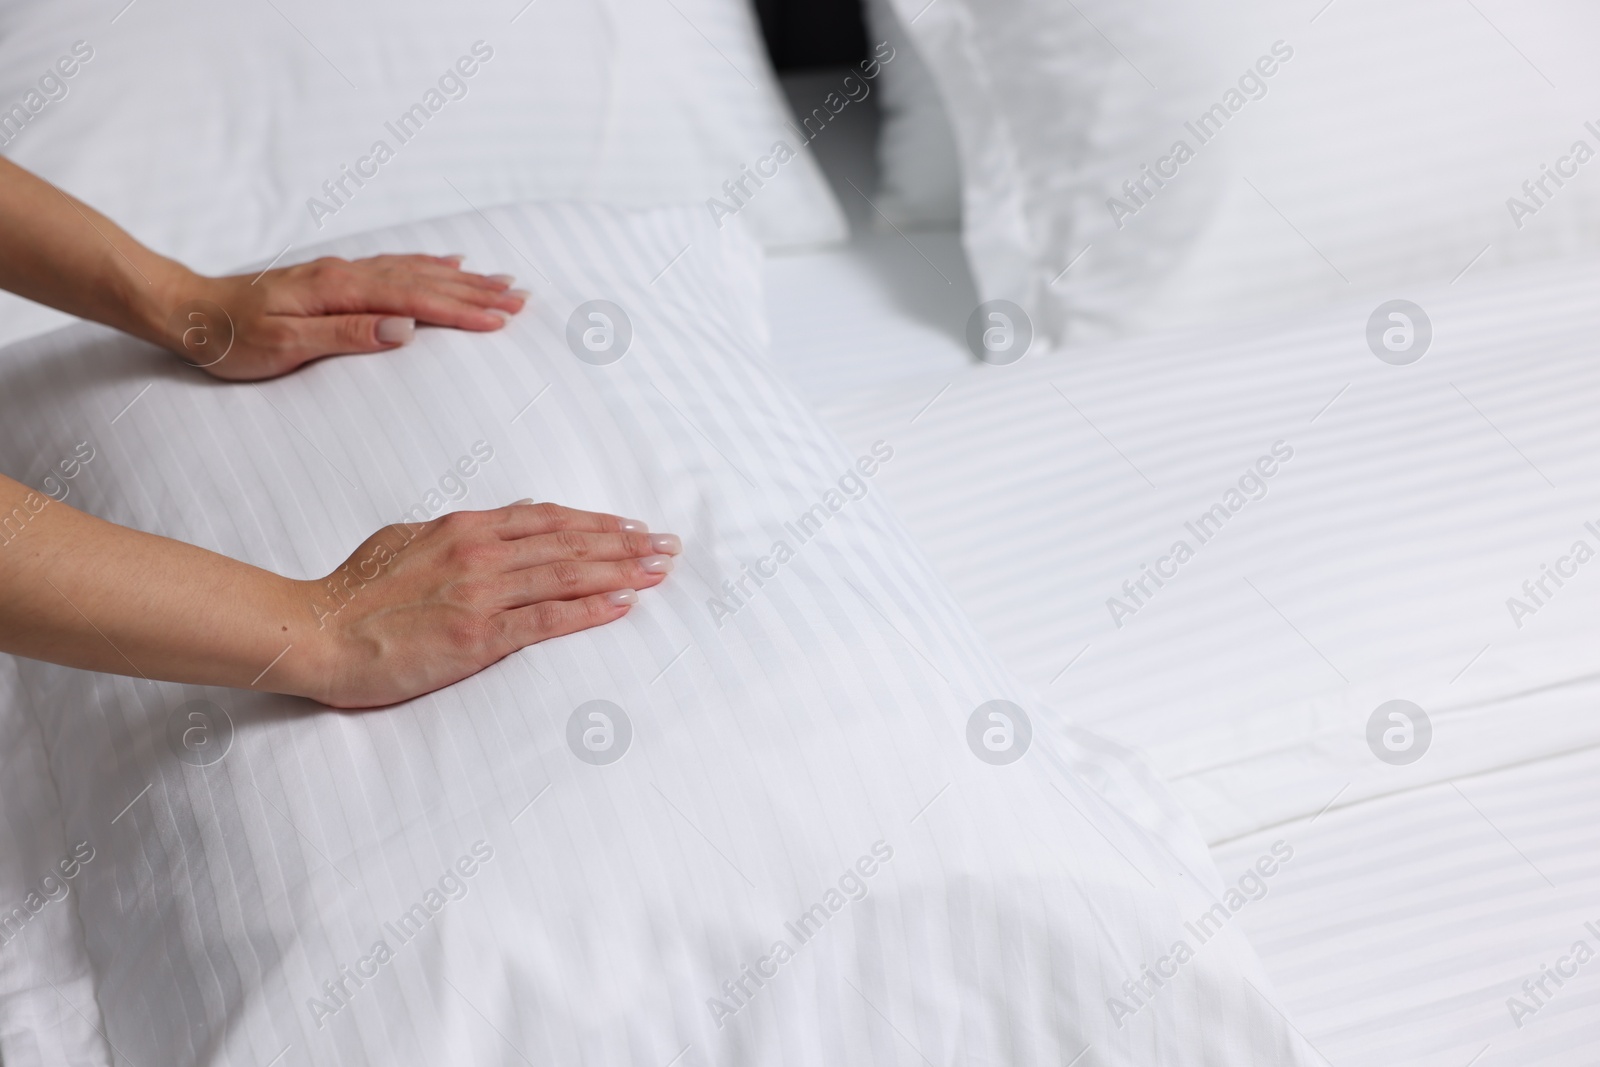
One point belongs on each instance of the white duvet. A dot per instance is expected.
(773, 816)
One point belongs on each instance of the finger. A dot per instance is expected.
(490, 282)
(582, 546)
(567, 580)
(445, 273)
(335, 335)
(511, 300)
(339, 288)
(554, 618)
(525, 519)
(460, 288)
(441, 268)
(432, 304)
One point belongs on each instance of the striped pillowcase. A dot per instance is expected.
(1134, 167)
(813, 820)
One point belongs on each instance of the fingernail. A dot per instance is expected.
(503, 316)
(622, 597)
(503, 279)
(656, 564)
(457, 256)
(396, 330)
(668, 543)
(518, 294)
(524, 500)
(633, 526)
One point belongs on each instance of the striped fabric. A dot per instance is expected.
(219, 134)
(1197, 164)
(1379, 564)
(465, 879)
(1405, 927)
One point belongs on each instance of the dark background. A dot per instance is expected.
(805, 34)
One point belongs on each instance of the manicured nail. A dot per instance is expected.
(395, 330)
(668, 543)
(518, 294)
(503, 316)
(503, 279)
(633, 526)
(622, 596)
(524, 500)
(656, 564)
(457, 257)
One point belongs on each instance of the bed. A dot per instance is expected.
(1427, 900)
(1357, 532)
(1429, 894)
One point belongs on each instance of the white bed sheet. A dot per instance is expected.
(1407, 918)
(1404, 925)
(1378, 566)
(873, 313)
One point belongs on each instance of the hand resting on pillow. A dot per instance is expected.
(288, 317)
(61, 252)
(415, 608)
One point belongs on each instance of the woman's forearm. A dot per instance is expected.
(416, 606)
(87, 593)
(63, 253)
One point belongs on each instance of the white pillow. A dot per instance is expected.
(208, 130)
(919, 175)
(1368, 149)
(815, 753)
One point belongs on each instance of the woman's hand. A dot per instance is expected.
(245, 329)
(418, 607)
(63, 253)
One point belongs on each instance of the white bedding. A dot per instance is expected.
(533, 904)
(1406, 920)
(883, 309)
(226, 135)
(1208, 163)
(1406, 924)
(1379, 565)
